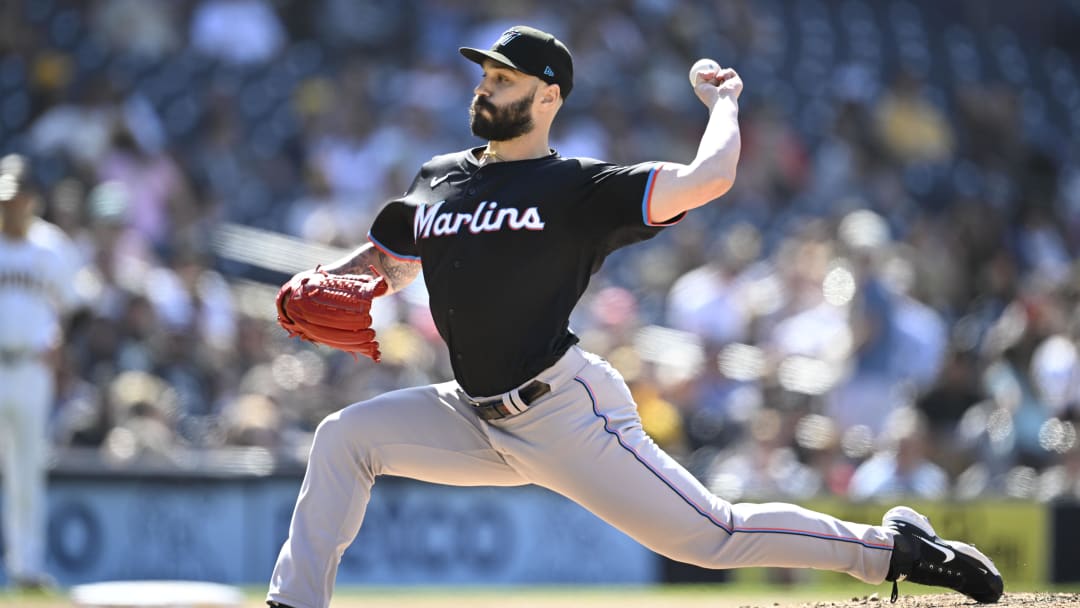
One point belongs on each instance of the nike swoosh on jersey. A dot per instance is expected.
(435, 181)
(949, 553)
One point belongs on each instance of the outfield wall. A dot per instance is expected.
(229, 530)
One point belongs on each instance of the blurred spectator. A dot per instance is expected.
(156, 192)
(66, 211)
(847, 155)
(252, 420)
(808, 339)
(225, 168)
(1055, 369)
(1062, 481)
(1041, 247)
(138, 335)
(78, 418)
(144, 29)
(190, 299)
(912, 128)
(142, 409)
(321, 216)
(987, 114)
(774, 158)
(921, 331)
(357, 143)
(53, 237)
(122, 256)
(714, 300)
(348, 23)
(237, 31)
(1007, 379)
(901, 467)
(763, 464)
(659, 417)
(78, 128)
(944, 405)
(719, 403)
(899, 342)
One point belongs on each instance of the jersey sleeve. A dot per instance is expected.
(392, 231)
(618, 205)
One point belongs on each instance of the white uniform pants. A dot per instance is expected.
(26, 396)
(583, 440)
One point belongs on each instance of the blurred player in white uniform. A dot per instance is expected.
(36, 288)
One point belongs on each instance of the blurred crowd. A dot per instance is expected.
(887, 303)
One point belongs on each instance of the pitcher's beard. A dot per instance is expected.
(501, 124)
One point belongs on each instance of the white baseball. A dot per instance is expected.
(702, 65)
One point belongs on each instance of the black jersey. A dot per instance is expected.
(507, 251)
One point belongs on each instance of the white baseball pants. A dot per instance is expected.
(26, 396)
(583, 440)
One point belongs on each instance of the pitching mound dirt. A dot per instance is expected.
(1009, 600)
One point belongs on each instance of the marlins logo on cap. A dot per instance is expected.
(532, 51)
(507, 37)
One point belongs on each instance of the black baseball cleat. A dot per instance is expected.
(921, 557)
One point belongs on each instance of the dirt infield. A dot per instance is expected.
(640, 599)
(648, 600)
(1009, 600)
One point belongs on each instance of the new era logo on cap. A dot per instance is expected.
(532, 51)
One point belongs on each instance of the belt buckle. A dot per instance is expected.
(488, 409)
(497, 408)
(468, 399)
(493, 409)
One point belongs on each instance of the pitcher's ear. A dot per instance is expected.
(551, 93)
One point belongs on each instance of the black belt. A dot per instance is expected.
(494, 409)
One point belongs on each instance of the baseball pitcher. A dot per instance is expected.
(508, 235)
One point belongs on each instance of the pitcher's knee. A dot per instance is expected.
(699, 559)
(705, 551)
(346, 431)
(334, 433)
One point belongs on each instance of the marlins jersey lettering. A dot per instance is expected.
(508, 249)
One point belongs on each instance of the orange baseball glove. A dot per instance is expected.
(332, 309)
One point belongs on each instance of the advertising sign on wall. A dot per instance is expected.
(230, 531)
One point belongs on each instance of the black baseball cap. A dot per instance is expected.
(532, 51)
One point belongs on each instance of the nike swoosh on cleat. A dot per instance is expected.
(435, 181)
(949, 554)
